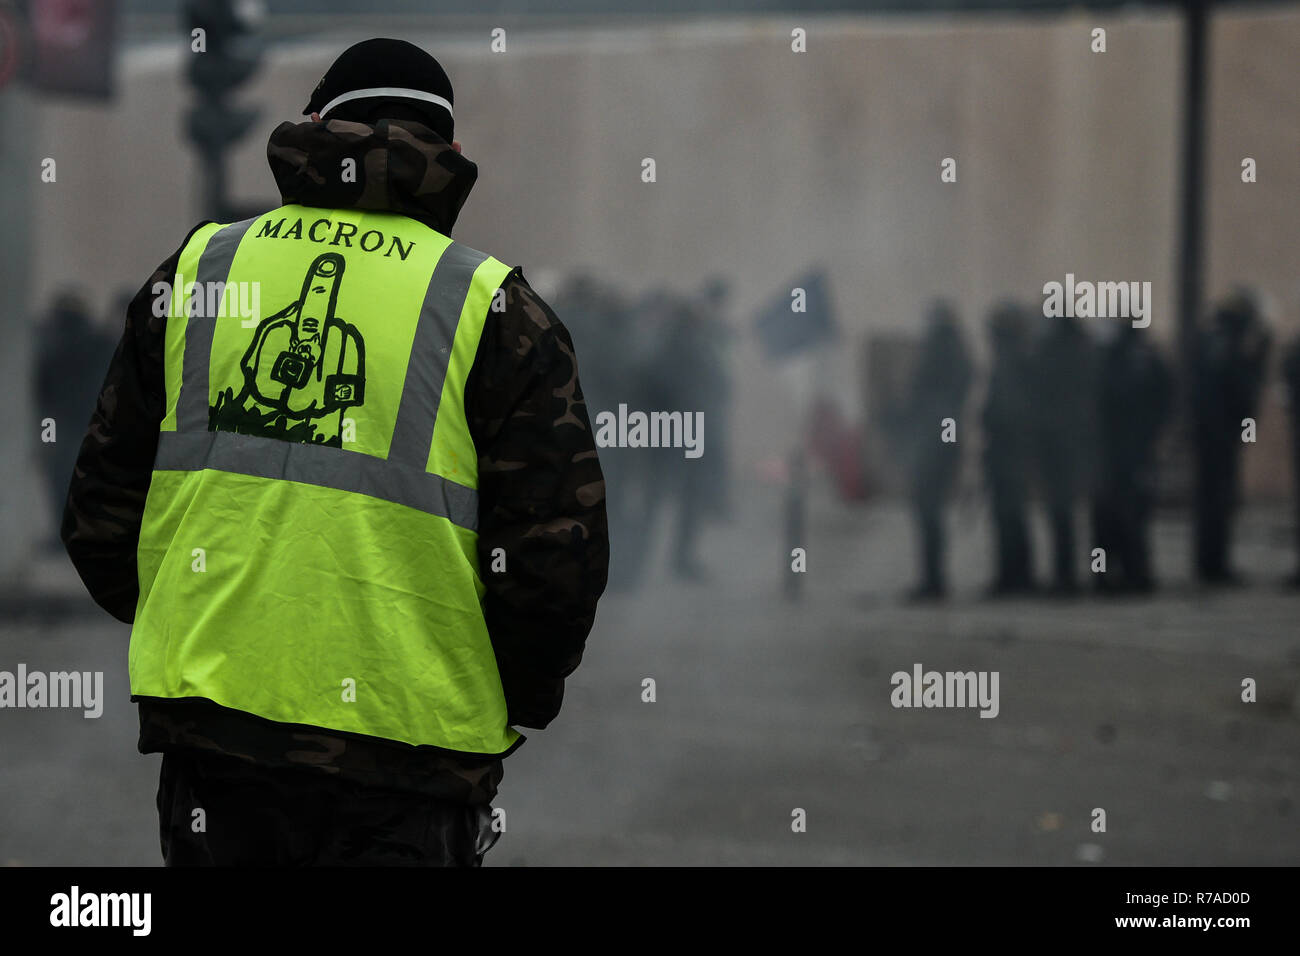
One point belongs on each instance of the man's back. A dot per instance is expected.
(341, 449)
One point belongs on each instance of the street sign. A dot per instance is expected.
(73, 46)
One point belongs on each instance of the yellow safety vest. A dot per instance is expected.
(309, 545)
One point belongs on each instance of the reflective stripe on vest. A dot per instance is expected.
(309, 549)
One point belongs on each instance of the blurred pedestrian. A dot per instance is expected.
(603, 320)
(71, 354)
(1134, 399)
(1063, 406)
(715, 338)
(1227, 377)
(1008, 424)
(1291, 377)
(643, 476)
(686, 373)
(930, 455)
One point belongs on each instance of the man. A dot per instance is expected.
(70, 355)
(1008, 421)
(645, 475)
(601, 316)
(359, 535)
(1063, 436)
(1229, 372)
(1291, 379)
(686, 372)
(938, 389)
(1134, 401)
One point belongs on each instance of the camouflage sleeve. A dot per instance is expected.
(105, 505)
(541, 501)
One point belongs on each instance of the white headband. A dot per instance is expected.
(390, 92)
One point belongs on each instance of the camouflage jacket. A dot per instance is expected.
(541, 491)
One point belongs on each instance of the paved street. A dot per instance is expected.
(765, 706)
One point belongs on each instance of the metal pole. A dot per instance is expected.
(1191, 227)
(796, 523)
(214, 185)
(1191, 200)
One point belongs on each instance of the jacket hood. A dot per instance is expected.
(401, 167)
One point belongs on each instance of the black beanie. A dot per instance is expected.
(383, 69)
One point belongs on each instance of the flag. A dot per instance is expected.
(798, 317)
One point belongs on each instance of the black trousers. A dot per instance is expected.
(1218, 481)
(928, 514)
(1121, 526)
(217, 810)
(1060, 518)
(1015, 562)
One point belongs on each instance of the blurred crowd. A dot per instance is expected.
(664, 350)
(1072, 416)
